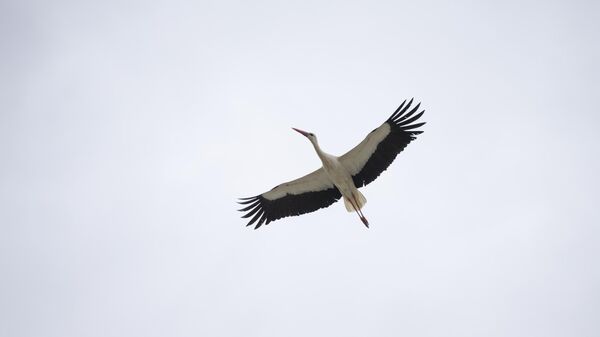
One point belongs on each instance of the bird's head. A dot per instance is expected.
(311, 136)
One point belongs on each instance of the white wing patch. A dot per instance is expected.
(313, 182)
(355, 159)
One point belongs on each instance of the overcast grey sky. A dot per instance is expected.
(128, 128)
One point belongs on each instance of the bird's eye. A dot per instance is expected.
(311, 134)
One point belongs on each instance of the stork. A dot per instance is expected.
(339, 176)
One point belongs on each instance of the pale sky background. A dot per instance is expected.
(129, 128)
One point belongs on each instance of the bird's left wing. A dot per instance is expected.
(303, 195)
(367, 160)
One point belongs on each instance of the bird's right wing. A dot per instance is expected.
(303, 195)
(367, 160)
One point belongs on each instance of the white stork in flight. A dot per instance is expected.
(339, 176)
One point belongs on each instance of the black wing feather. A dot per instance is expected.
(401, 134)
(266, 211)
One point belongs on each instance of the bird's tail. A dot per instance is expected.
(360, 200)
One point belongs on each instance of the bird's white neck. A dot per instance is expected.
(322, 155)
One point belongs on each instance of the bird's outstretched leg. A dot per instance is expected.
(360, 215)
(364, 219)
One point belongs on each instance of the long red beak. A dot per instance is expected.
(304, 133)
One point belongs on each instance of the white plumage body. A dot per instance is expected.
(342, 179)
